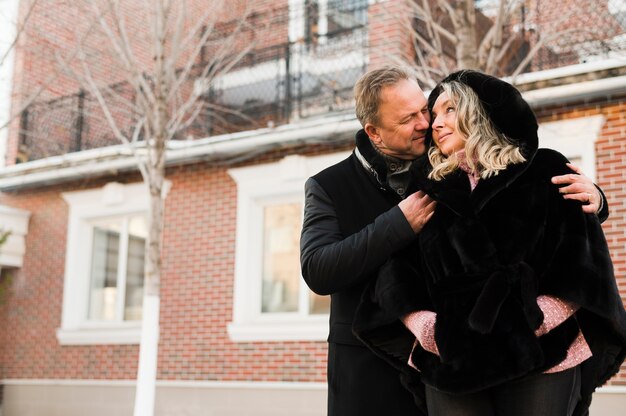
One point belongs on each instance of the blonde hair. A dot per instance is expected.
(368, 88)
(487, 151)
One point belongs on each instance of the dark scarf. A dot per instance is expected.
(390, 172)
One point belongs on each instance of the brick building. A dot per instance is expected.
(240, 334)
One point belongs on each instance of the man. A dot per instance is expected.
(357, 215)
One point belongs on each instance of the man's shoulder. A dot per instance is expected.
(336, 171)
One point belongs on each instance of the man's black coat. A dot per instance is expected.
(352, 225)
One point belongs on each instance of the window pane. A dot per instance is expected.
(346, 14)
(281, 261)
(137, 234)
(103, 290)
(319, 304)
(576, 161)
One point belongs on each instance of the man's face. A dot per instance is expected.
(403, 121)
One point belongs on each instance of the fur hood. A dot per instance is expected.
(504, 104)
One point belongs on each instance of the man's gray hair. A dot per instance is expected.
(368, 88)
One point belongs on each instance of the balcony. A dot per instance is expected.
(272, 86)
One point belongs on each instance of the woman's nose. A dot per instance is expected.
(437, 122)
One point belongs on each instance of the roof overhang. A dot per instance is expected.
(118, 159)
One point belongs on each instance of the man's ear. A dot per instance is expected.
(372, 133)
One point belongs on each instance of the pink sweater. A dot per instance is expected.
(555, 312)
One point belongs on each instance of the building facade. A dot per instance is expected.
(240, 333)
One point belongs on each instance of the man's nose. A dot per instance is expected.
(422, 122)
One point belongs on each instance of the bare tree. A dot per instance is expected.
(502, 37)
(165, 70)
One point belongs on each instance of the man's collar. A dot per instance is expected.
(372, 156)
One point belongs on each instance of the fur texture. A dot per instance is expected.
(482, 260)
(480, 263)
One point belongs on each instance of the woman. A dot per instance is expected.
(507, 303)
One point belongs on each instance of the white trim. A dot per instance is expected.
(116, 335)
(102, 161)
(569, 70)
(288, 331)
(259, 385)
(16, 222)
(252, 385)
(611, 390)
(112, 200)
(576, 91)
(258, 186)
(66, 382)
(574, 138)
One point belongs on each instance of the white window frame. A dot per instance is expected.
(575, 138)
(85, 209)
(259, 186)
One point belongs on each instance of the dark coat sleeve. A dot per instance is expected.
(332, 262)
(603, 214)
(396, 291)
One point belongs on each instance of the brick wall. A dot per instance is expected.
(196, 301)
(388, 24)
(32, 312)
(197, 292)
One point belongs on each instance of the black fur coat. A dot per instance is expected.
(480, 263)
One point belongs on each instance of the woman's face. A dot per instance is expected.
(445, 133)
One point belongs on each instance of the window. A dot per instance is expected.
(326, 20)
(272, 301)
(117, 267)
(282, 284)
(575, 139)
(618, 9)
(104, 267)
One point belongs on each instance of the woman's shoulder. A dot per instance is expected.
(548, 163)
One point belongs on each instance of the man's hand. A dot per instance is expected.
(580, 188)
(417, 208)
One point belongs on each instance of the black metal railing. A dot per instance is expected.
(271, 86)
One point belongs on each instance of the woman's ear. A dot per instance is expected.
(372, 133)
